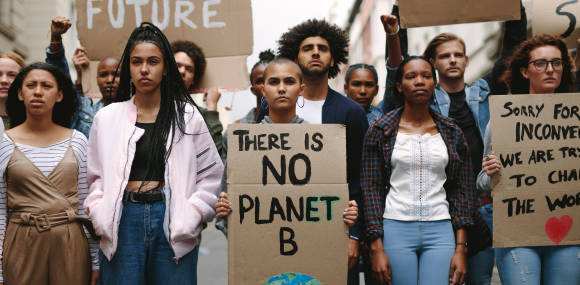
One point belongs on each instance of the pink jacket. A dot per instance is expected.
(193, 174)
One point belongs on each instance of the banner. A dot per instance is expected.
(287, 186)
(222, 28)
(536, 196)
(420, 13)
(557, 17)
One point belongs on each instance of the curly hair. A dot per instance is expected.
(336, 37)
(62, 111)
(196, 54)
(513, 77)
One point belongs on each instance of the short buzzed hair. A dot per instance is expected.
(431, 49)
(284, 60)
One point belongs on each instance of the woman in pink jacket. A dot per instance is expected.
(153, 170)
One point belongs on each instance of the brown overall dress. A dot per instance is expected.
(44, 242)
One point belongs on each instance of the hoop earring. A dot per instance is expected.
(302, 102)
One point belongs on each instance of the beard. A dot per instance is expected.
(314, 73)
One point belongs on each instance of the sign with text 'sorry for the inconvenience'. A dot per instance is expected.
(536, 196)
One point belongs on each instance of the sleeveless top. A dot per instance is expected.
(29, 190)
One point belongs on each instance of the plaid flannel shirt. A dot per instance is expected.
(376, 171)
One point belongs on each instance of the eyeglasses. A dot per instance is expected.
(542, 64)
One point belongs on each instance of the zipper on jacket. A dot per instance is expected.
(119, 197)
(169, 240)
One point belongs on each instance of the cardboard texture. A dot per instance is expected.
(227, 71)
(105, 25)
(254, 249)
(89, 81)
(557, 17)
(328, 164)
(287, 227)
(420, 13)
(536, 197)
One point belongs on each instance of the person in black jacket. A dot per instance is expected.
(318, 48)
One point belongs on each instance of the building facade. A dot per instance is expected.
(25, 26)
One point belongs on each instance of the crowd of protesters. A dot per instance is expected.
(117, 189)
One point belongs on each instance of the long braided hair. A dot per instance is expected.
(174, 95)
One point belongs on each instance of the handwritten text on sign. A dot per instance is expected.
(557, 17)
(536, 196)
(212, 24)
(287, 184)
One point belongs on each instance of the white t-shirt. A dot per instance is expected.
(310, 111)
(417, 179)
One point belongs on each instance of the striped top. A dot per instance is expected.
(46, 159)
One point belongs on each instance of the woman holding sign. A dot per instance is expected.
(540, 65)
(153, 170)
(418, 186)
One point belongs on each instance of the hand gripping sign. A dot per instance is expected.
(536, 196)
(287, 186)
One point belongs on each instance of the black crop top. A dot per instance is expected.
(142, 152)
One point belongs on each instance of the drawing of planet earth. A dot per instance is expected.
(292, 279)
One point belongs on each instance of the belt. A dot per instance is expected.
(147, 197)
(44, 222)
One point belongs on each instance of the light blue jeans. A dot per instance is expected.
(143, 254)
(419, 252)
(539, 265)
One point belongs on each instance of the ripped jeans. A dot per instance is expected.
(539, 265)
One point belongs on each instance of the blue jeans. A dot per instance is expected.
(539, 265)
(480, 266)
(143, 254)
(419, 252)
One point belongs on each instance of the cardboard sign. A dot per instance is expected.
(287, 186)
(104, 26)
(557, 17)
(536, 196)
(89, 81)
(420, 13)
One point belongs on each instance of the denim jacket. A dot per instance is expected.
(476, 95)
(83, 117)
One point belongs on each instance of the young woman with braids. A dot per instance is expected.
(361, 85)
(153, 170)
